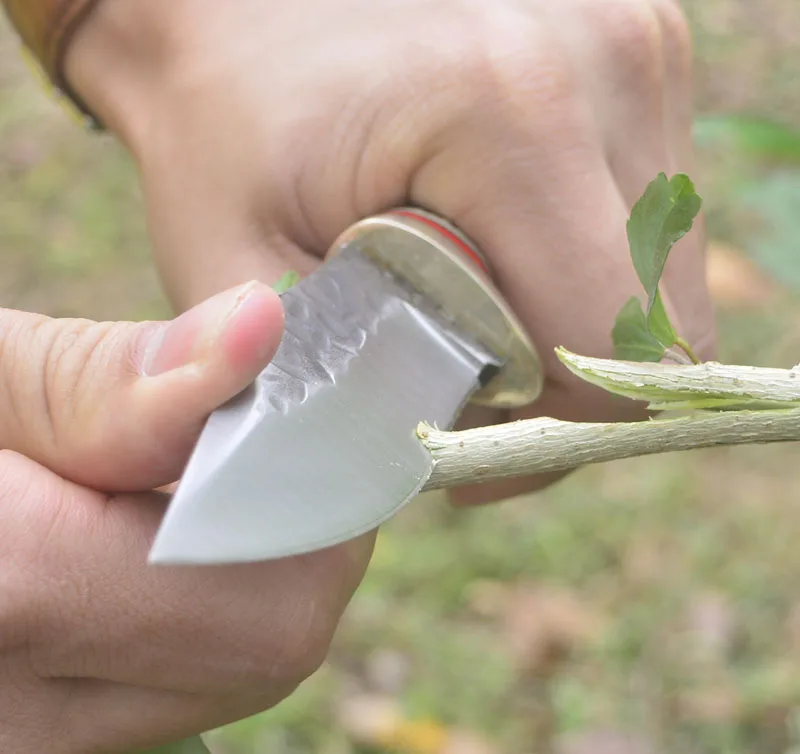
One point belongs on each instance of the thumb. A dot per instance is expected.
(118, 406)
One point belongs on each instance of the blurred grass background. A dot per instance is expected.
(642, 607)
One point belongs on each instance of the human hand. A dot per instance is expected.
(100, 652)
(263, 129)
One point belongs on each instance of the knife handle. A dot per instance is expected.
(440, 262)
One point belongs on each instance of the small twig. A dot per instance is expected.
(684, 385)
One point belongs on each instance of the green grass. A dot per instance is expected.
(662, 591)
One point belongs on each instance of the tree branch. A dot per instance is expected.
(707, 385)
(535, 446)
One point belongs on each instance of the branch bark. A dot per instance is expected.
(707, 385)
(536, 446)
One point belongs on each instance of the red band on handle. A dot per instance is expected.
(465, 248)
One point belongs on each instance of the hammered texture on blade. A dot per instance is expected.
(323, 446)
(327, 322)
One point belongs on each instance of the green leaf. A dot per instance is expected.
(632, 338)
(290, 279)
(664, 214)
(659, 325)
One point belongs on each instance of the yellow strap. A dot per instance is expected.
(55, 94)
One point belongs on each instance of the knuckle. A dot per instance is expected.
(506, 65)
(673, 20)
(95, 348)
(675, 31)
(521, 57)
(70, 362)
(73, 356)
(57, 397)
(631, 32)
(37, 372)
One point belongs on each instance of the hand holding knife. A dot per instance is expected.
(261, 131)
(401, 325)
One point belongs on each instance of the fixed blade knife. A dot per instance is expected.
(400, 324)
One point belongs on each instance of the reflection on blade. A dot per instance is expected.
(322, 447)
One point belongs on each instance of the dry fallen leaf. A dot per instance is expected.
(368, 718)
(488, 598)
(545, 624)
(712, 624)
(716, 704)
(466, 742)
(644, 559)
(792, 628)
(605, 742)
(387, 670)
(378, 720)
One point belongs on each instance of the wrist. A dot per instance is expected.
(117, 60)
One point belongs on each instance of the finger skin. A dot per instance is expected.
(77, 397)
(102, 651)
(260, 135)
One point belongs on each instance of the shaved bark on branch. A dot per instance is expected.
(536, 446)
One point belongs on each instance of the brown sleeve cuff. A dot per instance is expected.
(46, 28)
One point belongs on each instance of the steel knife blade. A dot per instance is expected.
(400, 325)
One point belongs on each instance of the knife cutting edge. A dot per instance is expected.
(400, 324)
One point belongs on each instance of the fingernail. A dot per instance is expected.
(190, 337)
